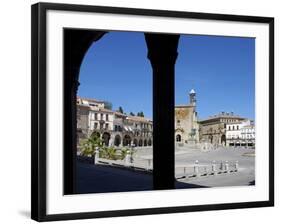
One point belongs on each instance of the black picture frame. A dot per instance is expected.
(39, 115)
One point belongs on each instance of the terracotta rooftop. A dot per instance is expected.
(90, 99)
(106, 110)
(137, 118)
(120, 114)
(83, 106)
(223, 115)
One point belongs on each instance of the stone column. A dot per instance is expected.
(70, 128)
(76, 44)
(162, 53)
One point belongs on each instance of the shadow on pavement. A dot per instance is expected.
(105, 179)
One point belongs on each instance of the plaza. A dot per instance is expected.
(137, 175)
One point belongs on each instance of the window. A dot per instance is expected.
(96, 116)
(178, 121)
(119, 128)
(95, 125)
(106, 117)
(106, 126)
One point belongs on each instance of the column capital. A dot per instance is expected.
(162, 48)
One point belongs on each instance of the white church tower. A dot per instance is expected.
(192, 97)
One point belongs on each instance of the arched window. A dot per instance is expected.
(178, 138)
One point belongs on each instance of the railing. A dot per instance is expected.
(200, 170)
(128, 162)
(195, 170)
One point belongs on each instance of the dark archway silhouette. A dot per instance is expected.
(105, 138)
(140, 142)
(117, 140)
(145, 142)
(162, 53)
(178, 138)
(135, 142)
(211, 138)
(95, 133)
(223, 140)
(126, 140)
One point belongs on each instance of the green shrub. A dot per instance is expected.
(89, 145)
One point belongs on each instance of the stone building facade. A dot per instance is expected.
(186, 122)
(114, 128)
(213, 129)
(240, 134)
(118, 129)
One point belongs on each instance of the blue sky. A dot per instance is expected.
(220, 69)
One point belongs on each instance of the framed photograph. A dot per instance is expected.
(139, 111)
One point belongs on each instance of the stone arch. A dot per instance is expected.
(210, 138)
(140, 142)
(95, 133)
(135, 142)
(117, 140)
(178, 138)
(126, 140)
(145, 142)
(223, 139)
(76, 43)
(106, 138)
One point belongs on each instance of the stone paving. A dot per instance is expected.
(103, 178)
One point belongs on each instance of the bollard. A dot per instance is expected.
(127, 158)
(226, 166)
(236, 166)
(221, 165)
(196, 168)
(97, 155)
(131, 157)
(149, 164)
(214, 168)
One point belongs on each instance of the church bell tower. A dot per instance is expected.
(192, 97)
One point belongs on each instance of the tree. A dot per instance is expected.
(108, 105)
(120, 109)
(132, 114)
(140, 114)
(89, 145)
